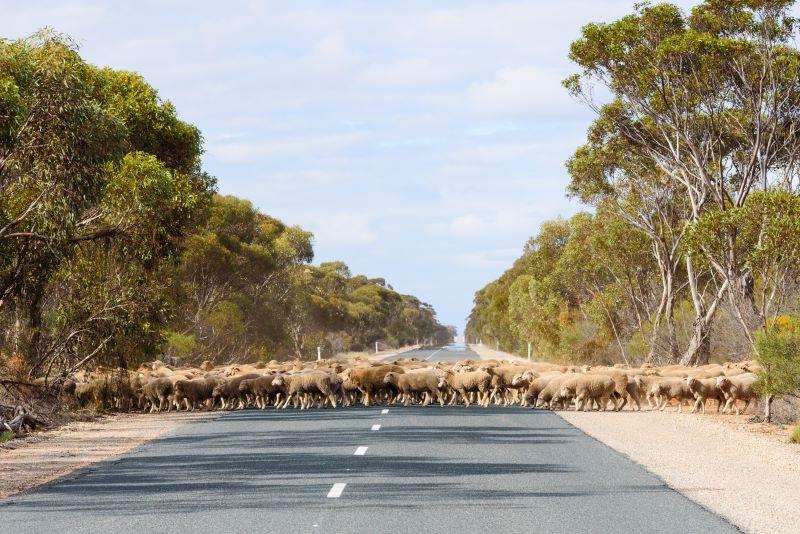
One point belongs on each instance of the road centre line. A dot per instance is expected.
(336, 490)
(385, 411)
(376, 427)
(361, 451)
(433, 353)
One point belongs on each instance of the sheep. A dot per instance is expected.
(90, 392)
(157, 392)
(739, 387)
(621, 389)
(523, 380)
(703, 389)
(551, 389)
(369, 380)
(536, 385)
(228, 390)
(503, 381)
(304, 385)
(468, 382)
(670, 388)
(641, 385)
(262, 389)
(194, 392)
(416, 382)
(587, 388)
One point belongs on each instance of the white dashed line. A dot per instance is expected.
(376, 427)
(361, 451)
(432, 354)
(385, 411)
(336, 490)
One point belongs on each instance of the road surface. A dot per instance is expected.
(369, 470)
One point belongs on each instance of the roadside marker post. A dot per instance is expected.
(529, 351)
(319, 353)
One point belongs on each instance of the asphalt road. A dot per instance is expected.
(423, 470)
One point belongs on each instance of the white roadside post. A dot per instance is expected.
(319, 353)
(529, 350)
(376, 347)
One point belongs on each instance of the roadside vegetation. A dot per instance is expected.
(115, 247)
(691, 252)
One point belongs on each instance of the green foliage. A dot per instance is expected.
(573, 293)
(6, 436)
(114, 247)
(778, 352)
(794, 437)
(180, 345)
(245, 284)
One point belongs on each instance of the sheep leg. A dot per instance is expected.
(332, 398)
(636, 400)
(465, 396)
(727, 405)
(746, 404)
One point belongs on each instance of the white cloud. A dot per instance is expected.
(521, 91)
(409, 72)
(343, 229)
(486, 259)
(468, 225)
(269, 149)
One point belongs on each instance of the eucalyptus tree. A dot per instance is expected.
(711, 101)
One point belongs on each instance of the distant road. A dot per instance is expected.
(366, 470)
(447, 353)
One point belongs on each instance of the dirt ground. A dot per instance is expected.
(745, 472)
(486, 353)
(45, 456)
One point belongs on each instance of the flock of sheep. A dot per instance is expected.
(326, 383)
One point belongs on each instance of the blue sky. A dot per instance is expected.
(423, 142)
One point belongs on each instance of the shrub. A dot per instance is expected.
(6, 436)
(778, 353)
(794, 437)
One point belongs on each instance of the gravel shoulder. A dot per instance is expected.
(486, 353)
(746, 473)
(43, 457)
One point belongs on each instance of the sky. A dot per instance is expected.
(421, 141)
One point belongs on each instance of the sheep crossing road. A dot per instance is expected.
(424, 469)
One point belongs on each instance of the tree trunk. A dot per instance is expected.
(768, 407)
(22, 418)
(699, 349)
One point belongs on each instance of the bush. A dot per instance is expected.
(778, 353)
(6, 436)
(794, 437)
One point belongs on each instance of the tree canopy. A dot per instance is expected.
(115, 247)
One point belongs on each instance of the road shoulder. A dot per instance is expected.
(44, 457)
(750, 479)
(486, 353)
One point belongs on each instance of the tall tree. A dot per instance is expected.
(711, 100)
